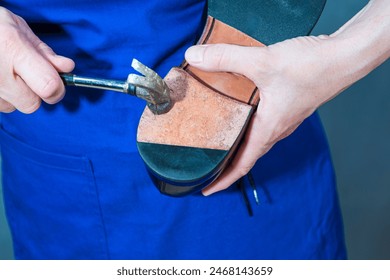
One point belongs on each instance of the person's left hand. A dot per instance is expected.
(294, 77)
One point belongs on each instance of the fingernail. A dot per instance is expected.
(194, 55)
(207, 191)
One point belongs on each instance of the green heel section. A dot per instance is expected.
(182, 165)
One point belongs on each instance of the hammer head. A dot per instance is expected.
(150, 87)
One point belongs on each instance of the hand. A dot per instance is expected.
(294, 77)
(29, 68)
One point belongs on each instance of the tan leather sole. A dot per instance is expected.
(210, 113)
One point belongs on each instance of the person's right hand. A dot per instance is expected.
(29, 68)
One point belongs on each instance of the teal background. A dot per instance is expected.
(357, 125)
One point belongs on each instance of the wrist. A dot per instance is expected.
(363, 43)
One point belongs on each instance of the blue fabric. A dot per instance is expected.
(76, 188)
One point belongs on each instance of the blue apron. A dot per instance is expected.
(76, 188)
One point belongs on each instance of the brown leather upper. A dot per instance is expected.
(233, 85)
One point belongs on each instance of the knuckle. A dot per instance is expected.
(6, 107)
(8, 34)
(20, 21)
(12, 44)
(8, 23)
(4, 13)
(39, 45)
(263, 62)
(219, 56)
(243, 170)
(216, 55)
(9, 109)
(8, 18)
(31, 107)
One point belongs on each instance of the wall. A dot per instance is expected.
(358, 127)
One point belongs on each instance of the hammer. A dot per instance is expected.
(150, 87)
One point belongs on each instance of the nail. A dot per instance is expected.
(194, 55)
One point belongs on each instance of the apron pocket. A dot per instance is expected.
(51, 202)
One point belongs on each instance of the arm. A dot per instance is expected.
(29, 68)
(297, 76)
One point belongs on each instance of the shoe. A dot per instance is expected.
(187, 148)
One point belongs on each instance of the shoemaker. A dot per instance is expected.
(75, 186)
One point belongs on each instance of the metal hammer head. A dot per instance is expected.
(150, 87)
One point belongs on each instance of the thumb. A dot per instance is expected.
(224, 57)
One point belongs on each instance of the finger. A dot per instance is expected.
(241, 164)
(39, 75)
(258, 140)
(225, 57)
(233, 172)
(60, 63)
(21, 96)
(6, 107)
